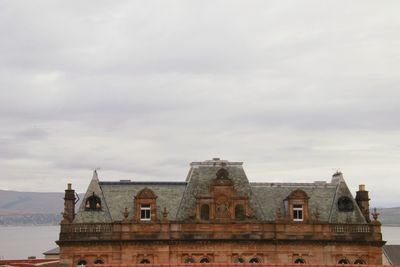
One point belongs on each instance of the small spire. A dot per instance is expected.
(95, 177)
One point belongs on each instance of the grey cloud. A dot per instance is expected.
(140, 89)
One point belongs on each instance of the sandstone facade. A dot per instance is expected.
(217, 215)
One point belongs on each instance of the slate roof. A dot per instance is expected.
(54, 251)
(322, 196)
(392, 253)
(121, 195)
(199, 178)
(179, 197)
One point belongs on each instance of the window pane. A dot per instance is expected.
(297, 212)
(145, 212)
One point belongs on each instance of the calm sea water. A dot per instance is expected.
(19, 242)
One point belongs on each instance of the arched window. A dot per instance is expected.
(93, 203)
(239, 212)
(359, 261)
(99, 262)
(205, 212)
(145, 261)
(343, 261)
(204, 260)
(189, 260)
(238, 260)
(81, 263)
(300, 261)
(254, 260)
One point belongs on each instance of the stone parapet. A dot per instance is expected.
(165, 231)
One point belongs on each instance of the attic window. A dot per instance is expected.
(93, 203)
(297, 212)
(145, 212)
(345, 204)
(145, 205)
(205, 212)
(222, 174)
(296, 205)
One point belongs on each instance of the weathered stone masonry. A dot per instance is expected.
(217, 215)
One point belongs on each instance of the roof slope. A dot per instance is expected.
(122, 194)
(322, 196)
(392, 253)
(179, 198)
(89, 216)
(199, 179)
(271, 197)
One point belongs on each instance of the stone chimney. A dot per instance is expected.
(362, 200)
(69, 205)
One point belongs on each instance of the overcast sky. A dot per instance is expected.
(294, 89)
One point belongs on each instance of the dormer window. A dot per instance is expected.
(145, 205)
(297, 212)
(145, 212)
(93, 203)
(296, 206)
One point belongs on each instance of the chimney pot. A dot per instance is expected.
(361, 187)
(69, 186)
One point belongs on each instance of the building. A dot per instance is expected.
(217, 215)
(391, 254)
(52, 253)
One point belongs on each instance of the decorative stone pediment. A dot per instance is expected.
(298, 194)
(146, 193)
(222, 178)
(222, 201)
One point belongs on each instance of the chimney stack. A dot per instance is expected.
(362, 199)
(69, 205)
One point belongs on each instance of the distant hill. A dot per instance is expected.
(17, 203)
(30, 208)
(389, 216)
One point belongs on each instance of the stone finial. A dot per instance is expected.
(278, 214)
(316, 214)
(95, 176)
(165, 214)
(375, 214)
(125, 213)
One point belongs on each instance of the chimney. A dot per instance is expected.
(69, 205)
(362, 200)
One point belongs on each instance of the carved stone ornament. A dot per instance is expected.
(125, 213)
(375, 214)
(222, 178)
(146, 193)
